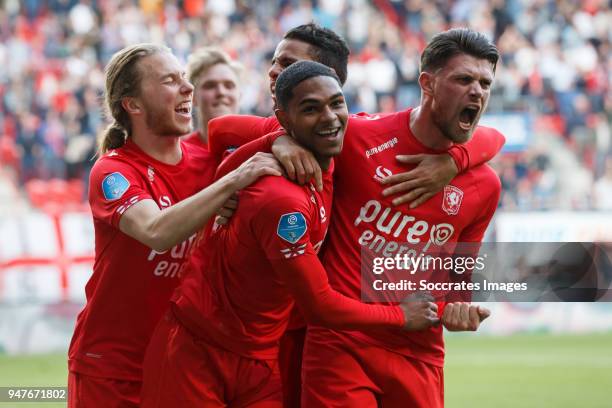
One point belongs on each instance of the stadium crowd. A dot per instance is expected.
(555, 71)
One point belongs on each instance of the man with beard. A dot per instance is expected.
(369, 137)
(148, 199)
(388, 368)
(218, 345)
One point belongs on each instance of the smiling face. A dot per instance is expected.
(165, 95)
(316, 117)
(287, 52)
(217, 92)
(458, 95)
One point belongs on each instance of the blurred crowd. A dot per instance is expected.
(555, 70)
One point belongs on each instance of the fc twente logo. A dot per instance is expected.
(452, 200)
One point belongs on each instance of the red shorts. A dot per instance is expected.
(290, 364)
(181, 370)
(341, 371)
(85, 391)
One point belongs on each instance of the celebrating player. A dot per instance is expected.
(311, 42)
(389, 368)
(219, 345)
(147, 205)
(314, 43)
(215, 78)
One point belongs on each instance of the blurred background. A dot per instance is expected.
(551, 98)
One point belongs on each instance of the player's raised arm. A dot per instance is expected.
(299, 164)
(236, 158)
(232, 131)
(162, 229)
(434, 171)
(481, 148)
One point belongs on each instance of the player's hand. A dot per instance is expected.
(420, 312)
(260, 164)
(432, 173)
(461, 316)
(299, 163)
(227, 211)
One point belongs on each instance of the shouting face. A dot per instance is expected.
(459, 94)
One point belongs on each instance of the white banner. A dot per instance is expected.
(553, 227)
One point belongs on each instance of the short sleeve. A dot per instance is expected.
(282, 226)
(114, 186)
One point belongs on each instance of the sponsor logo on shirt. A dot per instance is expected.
(452, 200)
(291, 227)
(164, 201)
(390, 231)
(114, 185)
(381, 173)
(381, 148)
(172, 262)
(151, 173)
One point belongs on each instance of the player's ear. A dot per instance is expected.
(426, 82)
(131, 105)
(282, 117)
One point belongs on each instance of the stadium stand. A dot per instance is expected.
(552, 94)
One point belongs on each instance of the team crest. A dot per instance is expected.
(291, 227)
(452, 200)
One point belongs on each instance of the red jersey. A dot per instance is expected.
(131, 283)
(242, 283)
(195, 138)
(233, 131)
(240, 303)
(363, 217)
(371, 144)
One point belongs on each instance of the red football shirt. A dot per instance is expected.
(370, 147)
(232, 131)
(195, 139)
(242, 283)
(363, 217)
(131, 283)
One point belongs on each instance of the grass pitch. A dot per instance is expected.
(531, 370)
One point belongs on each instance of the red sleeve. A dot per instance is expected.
(242, 154)
(474, 232)
(282, 227)
(232, 131)
(484, 145)
(114, 186)
(306, 279)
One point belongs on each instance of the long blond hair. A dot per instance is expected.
(123, 79)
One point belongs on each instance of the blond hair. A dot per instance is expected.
(203, 58)
(123, 80)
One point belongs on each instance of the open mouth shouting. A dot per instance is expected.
(468, 117)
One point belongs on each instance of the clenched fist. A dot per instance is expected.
(461, 316)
